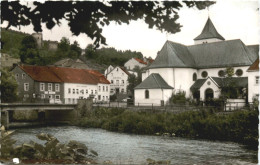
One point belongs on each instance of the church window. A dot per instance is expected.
(204, 74)
(146, 94)
(239, 72)
(221, 73)
(194, 77)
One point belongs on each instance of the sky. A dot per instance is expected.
(233, 19)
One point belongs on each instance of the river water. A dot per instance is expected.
(135, 149)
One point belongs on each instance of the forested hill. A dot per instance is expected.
(11, 44)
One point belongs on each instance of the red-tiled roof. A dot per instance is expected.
(67, 75)
(140, 61)
(254, 66)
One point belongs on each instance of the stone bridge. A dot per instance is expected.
(27, 114)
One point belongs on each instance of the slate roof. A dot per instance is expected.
(209, 31)
(67, 75)
(254, 66)
(208, 55)
(221, 82)
(173, 55)
(153, 81)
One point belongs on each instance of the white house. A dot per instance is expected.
(108, 70)
(253, 81)
(118, 78)
(133, 62)
(198, 69)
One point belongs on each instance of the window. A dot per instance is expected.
(103, 88)
(49, 87)
(42, 86)
(239, 72)
(82, 91)
(73, 91)
(26, 86)
(86, 91)
(95, 91)
(57, 87)
(122, 90)
(112, 81)
(42, 96)
(99, 88)
(23, 76)
(204, 74)
(146, 94)
(99, 97)
(69, 90)
(123, 81)
(103, 98)
(16, 76)
(117, 81)
(50, 96)
(77, 91)
(194, 77)
(257, 80)
(106, 88)
(221, 73)
(92, 92)
(57, 97)
(69, 100)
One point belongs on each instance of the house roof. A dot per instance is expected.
(124, 70)
(208, 55)
(209, 31)
(140, 61)
(221, 82)
(153, 81)
(254, 66)
(67, 75)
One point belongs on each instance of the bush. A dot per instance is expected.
(178, 98)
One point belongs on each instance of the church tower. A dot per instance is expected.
(209, 34)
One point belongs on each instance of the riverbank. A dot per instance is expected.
(240, 126)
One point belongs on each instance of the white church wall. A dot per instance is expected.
(166, 74)
(209, 84)
(253, 86)
(155, 97)
(213, 72)
(183, 80)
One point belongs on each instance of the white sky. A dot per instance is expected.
(232, 19)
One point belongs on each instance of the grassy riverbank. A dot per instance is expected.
(240, 126)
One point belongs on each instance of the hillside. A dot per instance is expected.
(11, 41)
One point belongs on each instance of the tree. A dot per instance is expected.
(90, 52)
(134, 80)
(90, 17)
(64, 44)
(75, 50)
(8, 87)
(28, 52)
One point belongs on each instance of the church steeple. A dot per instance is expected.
(208, 34)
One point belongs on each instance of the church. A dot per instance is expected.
(197, 70)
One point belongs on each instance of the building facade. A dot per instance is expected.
(118, 78)
(198, 70)
(253, 81)
(60, 85)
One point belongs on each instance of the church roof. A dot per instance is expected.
(153, 81)
(208, 55)
(221, 54)
(221, 82)
(173, 55)
(209, 31)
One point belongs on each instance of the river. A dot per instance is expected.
(135, 149)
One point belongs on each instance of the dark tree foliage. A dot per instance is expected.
(75, 50)
(90, 16)
(134, 80)
(8, 87)
(28, 52)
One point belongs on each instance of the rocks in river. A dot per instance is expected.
(52, 150)
(108, 162)
(157, 134)
(151, 161)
